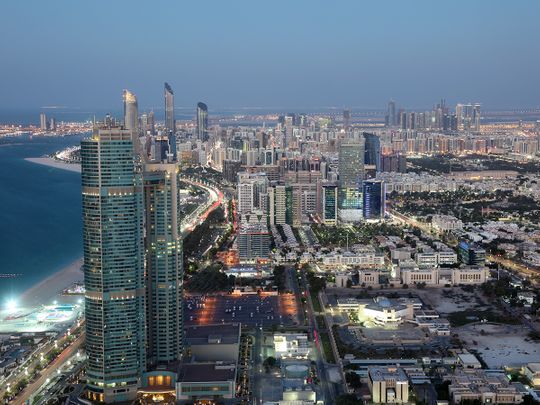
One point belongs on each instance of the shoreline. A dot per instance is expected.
(49, 288)
(50, 162)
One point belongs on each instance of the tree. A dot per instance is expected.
(348, 399)
(353, 380)
(269, 363)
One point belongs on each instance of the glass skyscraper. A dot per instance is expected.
(202, 121)
(374, 199)
(169, 108)
(112, 202)
(351, 173)
(131, 111)
(164, 263)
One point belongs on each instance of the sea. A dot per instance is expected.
(40, 213)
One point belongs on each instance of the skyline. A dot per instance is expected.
(266, 56)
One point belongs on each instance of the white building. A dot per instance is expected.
(291, 345)
(446, 223)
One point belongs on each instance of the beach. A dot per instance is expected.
(48, 290)
(47, 161)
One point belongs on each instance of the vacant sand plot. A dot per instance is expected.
(500, 345)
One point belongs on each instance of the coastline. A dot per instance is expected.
(49, 288)
(47, 161)
(52, 286)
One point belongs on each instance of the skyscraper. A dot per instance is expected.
(131, 111)
(372, 155)
(392, 113)
(374, 199)
(112, 203)
(202, 122)
(329, 203)
(346, 118)
(43, 121)
(169, 109)
(164, 263)
(351, 173)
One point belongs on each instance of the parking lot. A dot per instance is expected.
(251, 310)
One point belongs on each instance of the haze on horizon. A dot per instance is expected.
(278, 54)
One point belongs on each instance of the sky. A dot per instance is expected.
(271, 54)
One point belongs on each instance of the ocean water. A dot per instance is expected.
(40, 213)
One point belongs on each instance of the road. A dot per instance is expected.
(47, 372)
(215, 199)
(328, 391)
(20, 373)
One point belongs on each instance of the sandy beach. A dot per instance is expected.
(47, 161)
(47, 290)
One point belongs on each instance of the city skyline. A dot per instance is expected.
(352, 55)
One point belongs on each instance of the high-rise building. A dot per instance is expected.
(346, 118)
(112, 204)
(374, 199)
(52, 124)
(164, 263)
(43, 121)
(476, 117)
(351, 173)
(329, 203)
(392, 113)
(169, 109)
(131, 111)
(202, 122)
(372, 155)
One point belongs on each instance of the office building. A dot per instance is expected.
(164, 263)
(391, 113)
(329, 203)
(351, 173)
(52, 124)
(43, 121)
(169, 109)
(484, 387)
(131, 111)
(372, 155)
(280, 205)
(202, 122)
(471, 254)
(291, 345)
(374, 199)
(346, 119)
(388, 385)
(253, 241)
(112, 205)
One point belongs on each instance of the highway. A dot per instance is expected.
(215, 199)
(49, 371)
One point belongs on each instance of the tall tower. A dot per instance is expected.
(374, 199)
(164, 263)
(392, 113)
(43, 121)
(202, 122)
(112, 202)
(351, 173)
(169, 109)
(131, 111)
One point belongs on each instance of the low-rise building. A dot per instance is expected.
(291, 345)
(388, 385)
(532, 372)
(206, 380)
(446, 223)
(483, 386)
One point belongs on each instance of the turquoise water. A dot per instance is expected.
(40, 213)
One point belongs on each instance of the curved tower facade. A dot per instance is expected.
(169, 108)
(202, 121)
(112, 202)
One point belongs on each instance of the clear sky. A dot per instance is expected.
(273, 53)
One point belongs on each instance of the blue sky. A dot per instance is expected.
(278, 54)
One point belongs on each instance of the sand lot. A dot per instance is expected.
(500, 345)
(446, 301)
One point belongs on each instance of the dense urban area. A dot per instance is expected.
(292, 259)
